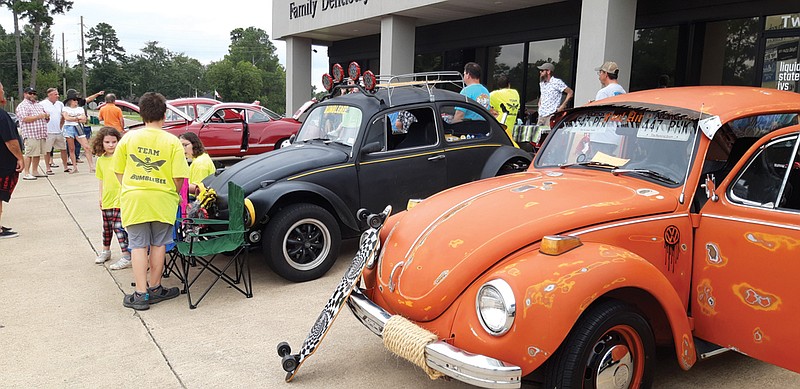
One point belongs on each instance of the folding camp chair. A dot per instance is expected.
(173, 255)
(205, 252)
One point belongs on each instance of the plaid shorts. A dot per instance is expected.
(8, 181)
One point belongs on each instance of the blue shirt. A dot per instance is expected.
(478, 93)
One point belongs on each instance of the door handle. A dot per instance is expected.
(237, 130)
(436, 157)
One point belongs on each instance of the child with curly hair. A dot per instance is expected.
(103, 145)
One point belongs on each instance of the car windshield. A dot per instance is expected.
(332, 124)
(654, 145)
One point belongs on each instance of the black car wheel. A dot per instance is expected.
(612, 346)
(282, 143)
(301, 242)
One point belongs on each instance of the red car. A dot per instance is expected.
(193, 107)
(226, 129)
(238, 129)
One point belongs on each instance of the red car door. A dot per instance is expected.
(222, 133)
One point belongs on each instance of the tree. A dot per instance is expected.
(104, 45)
(235, 82)
(252, 45)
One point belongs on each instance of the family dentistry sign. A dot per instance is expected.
(309, 7)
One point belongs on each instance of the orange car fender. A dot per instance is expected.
(551, 293)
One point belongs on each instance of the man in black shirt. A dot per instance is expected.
(11, 161)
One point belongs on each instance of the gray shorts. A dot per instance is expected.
(144, 235)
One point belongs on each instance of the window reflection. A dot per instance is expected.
(655, 52)
(560, 52)
(729, 52)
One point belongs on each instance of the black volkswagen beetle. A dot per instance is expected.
(365, 149)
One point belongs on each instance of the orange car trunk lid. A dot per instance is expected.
(450, 239)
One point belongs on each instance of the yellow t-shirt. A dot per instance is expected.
(149, 159)
(201, 167)
(104, 170)
(510, 99)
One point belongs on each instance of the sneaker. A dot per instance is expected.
(4, 228)
(4, 234)
(160, 293)
(123, 263)
(139, 302)
(29, 177)
(104, 255)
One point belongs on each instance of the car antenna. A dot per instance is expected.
(682, 198)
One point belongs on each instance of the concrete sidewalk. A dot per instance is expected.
(62, 323)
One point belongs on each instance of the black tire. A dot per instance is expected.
(301, 242)
(610, 328)
(289, 363)
(284, 349)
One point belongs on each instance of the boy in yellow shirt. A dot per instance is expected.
(150, 165)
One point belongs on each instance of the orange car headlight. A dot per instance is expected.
(558, 244)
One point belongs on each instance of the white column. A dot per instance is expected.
(397, 44)
(607, 32)
(298, 73)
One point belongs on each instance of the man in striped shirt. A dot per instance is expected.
(33, 122)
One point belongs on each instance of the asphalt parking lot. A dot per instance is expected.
(62, 323)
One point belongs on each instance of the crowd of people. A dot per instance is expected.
(140, 175)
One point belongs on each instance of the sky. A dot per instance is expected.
(200, 28)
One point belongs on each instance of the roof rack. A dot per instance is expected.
(428, 80)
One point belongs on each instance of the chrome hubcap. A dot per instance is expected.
(615, 370)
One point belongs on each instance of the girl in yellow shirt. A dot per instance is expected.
(200, 164)
(104, 144)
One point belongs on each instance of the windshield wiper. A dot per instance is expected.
(647, 172)
(587, 163)
(322, 139)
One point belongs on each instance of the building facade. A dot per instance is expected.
(681, 42)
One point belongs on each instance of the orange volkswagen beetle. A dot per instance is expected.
(656, 217)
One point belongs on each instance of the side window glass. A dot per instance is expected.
(763, 182)
(258, 117)
(760, 125)
(201, 109)
(406, 129)
(377, 133)
(790, 197)
(190, 111)
(463, 124)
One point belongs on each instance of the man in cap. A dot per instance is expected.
(33, 122)
(551, 89)
(607, 74)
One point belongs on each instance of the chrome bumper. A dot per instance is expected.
(451, 361)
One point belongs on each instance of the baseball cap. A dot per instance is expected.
(609, 67)
(547, 66)
(30, 90)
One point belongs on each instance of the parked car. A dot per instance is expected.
(364, 149)
(239, 129)
(194, 107)
(226, 129)
(667, 216)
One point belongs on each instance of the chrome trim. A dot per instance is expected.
(478, 370)
(752, 221)
(391, 275)
(626, 223)
(713, 353)
(616, 368)
(509, 305)
(368, 313)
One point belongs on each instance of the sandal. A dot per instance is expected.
(67, 170)
(49, 172)
(53, 164)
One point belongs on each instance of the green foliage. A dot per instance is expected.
(103, 44)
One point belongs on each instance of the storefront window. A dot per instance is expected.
(429, 62)
(506, 60)
(655, 52)
(560, 52)
(729, 52)
(782, 64)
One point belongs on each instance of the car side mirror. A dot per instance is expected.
(371, 148)
(710, 188)
(292, 138)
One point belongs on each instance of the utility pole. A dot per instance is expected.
(64, 65)
(83, 61)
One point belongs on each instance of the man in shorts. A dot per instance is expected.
(11, 162)
(33, 122)
(151, 167)
(55, 139)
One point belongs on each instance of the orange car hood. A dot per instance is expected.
(450, 239)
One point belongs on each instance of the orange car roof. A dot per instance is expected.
(727, 102)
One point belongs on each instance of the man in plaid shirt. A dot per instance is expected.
(33, 122)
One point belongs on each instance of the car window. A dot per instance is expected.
(332, 123)
(760, 125)
(272, 115)
(226, 115)
(472, 126)
(770, 177)
(201, 109)
(257, 117)
(404, 129)
(647, 141)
